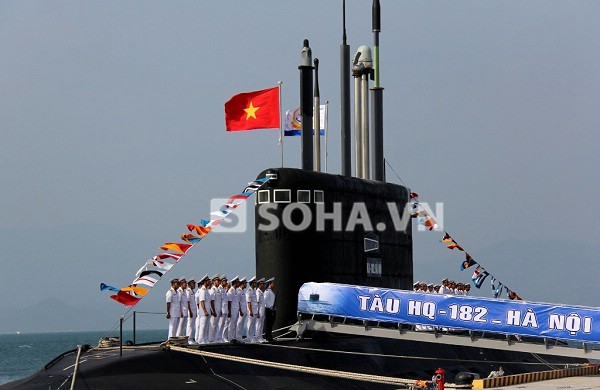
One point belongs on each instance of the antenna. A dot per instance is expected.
(316, 120)
(345, 100)
(377, 107)
(306, 106)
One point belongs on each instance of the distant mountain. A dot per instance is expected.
(554, 271)
(53, 315)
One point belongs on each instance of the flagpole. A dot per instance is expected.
(326, 130)
(280, 123)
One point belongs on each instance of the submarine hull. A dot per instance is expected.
(151, 366)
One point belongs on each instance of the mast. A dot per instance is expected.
(366, 171)
(306, 107)
(345, 99)
(356, 70)
(317, 120)
(378, 163)
(361, 69)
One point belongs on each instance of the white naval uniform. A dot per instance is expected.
(184, 311)
(221, 335)
(191, 322)
(260, 321)
(251, 320)
(215, 295)
(243, 308)
(233, 317)
(200, 313)
(202, 332)
(174, 299)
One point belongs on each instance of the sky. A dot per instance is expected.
(113, 135)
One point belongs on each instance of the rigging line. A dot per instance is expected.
(397, 356)
(116, 325)
(535, 355)
(131, 307)
(393, 170)
(220, 376)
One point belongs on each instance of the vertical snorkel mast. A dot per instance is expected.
(361, 69)
(356, 71)
(317, 120)
(306, 105)
(377, 113)
(345, 99)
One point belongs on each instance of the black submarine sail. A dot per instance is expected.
(315, 238)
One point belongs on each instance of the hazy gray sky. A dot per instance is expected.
(112, 125)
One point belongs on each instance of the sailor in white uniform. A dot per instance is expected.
(215, 294)
(252, 305)
(429, 288)
(270, 312)
(173, 307)
(184, 307)
(260, 319)
(416, 286)
(203, 310)
(451, 287)
(232, 309)
(221, 336)
(193, 311)
(444, 288)
(241, 306)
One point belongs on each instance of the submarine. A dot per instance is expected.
(310, 226)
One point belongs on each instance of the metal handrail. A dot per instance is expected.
(133, 317)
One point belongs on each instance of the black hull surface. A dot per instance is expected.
(154, 367)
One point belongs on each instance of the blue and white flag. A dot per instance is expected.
(479, 276)
(293, 122)
(497, 289)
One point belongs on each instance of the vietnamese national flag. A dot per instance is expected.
(253, 110)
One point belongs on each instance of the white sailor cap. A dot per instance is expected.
(416, 283)
(261, 280)
(269, 281)
(182, 279)
(224, 277)
(217, 276)
(192, 280)
(202, 279)
(252, 280)
(174, 280)
(242, 280)
(430, 285)
(235, 279)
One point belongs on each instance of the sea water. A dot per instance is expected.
(23, 354)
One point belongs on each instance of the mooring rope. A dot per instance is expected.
(297, 368)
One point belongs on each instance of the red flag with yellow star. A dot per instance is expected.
(253, 110)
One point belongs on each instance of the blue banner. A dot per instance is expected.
(451, 311)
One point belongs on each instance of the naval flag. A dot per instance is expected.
(293, 122)
(479, 276)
